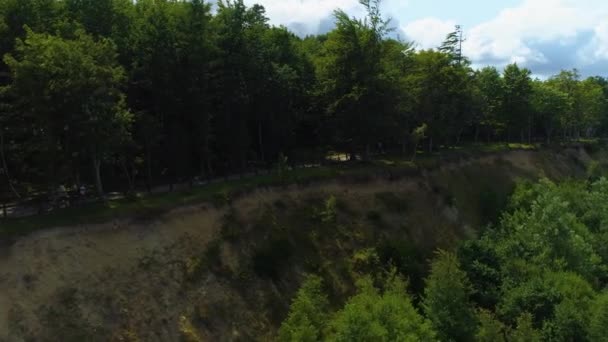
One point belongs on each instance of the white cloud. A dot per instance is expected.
(307, 14)
(537, 32)
(506, 37)
(597, 49)
(543, 34)
(428, 32)
(514, 33)
(395, 8)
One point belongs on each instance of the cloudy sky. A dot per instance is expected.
(543, 35)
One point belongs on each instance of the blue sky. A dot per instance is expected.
(544, 35)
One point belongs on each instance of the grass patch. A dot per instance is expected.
(148, 206)
(516, 146)
(497, 147)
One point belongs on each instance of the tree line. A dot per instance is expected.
(161, 91)
(540, 274)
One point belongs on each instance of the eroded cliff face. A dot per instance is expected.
(206, 273)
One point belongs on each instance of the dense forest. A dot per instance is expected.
(124, 95)
(540, 274)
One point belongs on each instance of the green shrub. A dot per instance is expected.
(268, 222)
(307, 314)
(231, 227)
(213, 254)
(210, 260)
(329, 212)
(366, 261)
(491, 204)
(406, 258)
(482, 265)
(221, 199)
(490, 329)
(187, 331)
(598, 322)
(271, 257)
(375, 315)
(193, 268)
(594, 170)
(446, 299)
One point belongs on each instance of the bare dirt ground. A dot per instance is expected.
(130, 274)
(36, 267)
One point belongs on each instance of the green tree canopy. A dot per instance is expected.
(308, 313)
(372, 315)
(446, 299)
(70, 89)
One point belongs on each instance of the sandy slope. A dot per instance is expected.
(34, 268)
(129, 275)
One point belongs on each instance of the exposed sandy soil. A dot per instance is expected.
(127, 280)
(36, 267)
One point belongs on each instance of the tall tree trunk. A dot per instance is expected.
(209, 168)
(261, 141)
(148, 168)
(430, 145)
(97, 175)
(415, 151)
(572, 133)
(243, 168)
(5, 166)
(130, 176)
(206, 159)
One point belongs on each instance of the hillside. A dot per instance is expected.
(208, 272)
